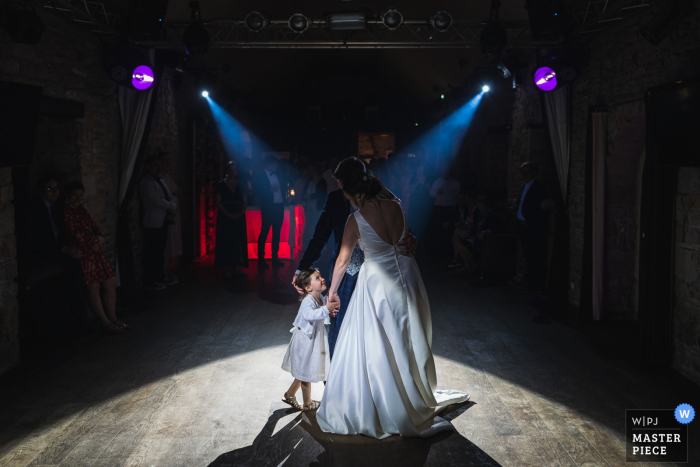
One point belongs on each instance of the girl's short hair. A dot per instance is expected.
(304, 279)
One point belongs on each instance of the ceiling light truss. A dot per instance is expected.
(91, 14)
(411, 34)
(592, 15)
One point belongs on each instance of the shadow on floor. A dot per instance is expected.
(300, 442)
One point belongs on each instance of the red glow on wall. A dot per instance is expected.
(290, 236)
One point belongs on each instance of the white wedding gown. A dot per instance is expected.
(382, 377)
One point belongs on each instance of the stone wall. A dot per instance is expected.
(66, 63)
(9, 347)
(621, 66)
(686, 317)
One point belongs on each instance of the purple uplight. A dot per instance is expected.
(142, 78)
(545, 79)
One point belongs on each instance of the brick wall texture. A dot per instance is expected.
(66, 63)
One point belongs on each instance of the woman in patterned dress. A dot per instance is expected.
(82, 233)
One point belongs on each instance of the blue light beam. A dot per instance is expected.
(238, 140)
(446, 137)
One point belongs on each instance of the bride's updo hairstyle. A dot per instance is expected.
(347, 167)
(364, 184)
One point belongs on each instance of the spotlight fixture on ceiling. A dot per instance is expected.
(142, 77)
(23, 25)
(485, 88)
(545, 79)
(345, 21)
(509, 65)
(256, 21)
(205, 93)
(392, 18)
(299, 23)
(127, 67)
(195, 37)
(442, 21)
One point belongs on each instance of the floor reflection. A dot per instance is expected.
(292, 438)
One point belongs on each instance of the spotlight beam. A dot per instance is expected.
(237, 140)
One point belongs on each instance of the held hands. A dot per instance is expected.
(333, 307)
(408, 245)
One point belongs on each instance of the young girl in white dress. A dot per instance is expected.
(308, 357)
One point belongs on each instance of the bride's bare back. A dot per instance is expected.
(386, 218)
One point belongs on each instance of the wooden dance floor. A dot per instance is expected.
(197, 382)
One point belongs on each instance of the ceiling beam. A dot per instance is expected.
(337, 45)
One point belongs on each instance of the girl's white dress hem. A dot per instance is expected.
(308, 354)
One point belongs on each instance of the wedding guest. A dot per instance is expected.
(469, 251)
(444, 190)
(231, 235)
(315, 198)
(331, 182)
(82, 234)
(269, 188)
(308, 355)
(40, 240)
(420, 206)
(159, 211)
(465, 211)
(173, 245)
(531, 226)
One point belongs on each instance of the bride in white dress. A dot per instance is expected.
(382, 378)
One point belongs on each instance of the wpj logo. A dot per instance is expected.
(658, 435)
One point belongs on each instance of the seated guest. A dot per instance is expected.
(41, 241)
(81, 233)
(487, 223)
(231, 233)
(159, 210)
(465, 215)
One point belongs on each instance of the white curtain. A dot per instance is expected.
(600, 141)
(133, 106)
(558, 115)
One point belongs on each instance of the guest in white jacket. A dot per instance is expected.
(159, 209)
(308, 356)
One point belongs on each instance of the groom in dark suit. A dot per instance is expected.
(333, 218)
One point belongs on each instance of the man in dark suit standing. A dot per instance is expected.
(41, 241)
(333, 218)
(531, 226)
(269, 190)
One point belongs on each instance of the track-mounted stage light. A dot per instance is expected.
(442, 21)
(545, 79)
(392, 19)
(345, 21)
(256, 21)
(299, 23)
(485, 88)
(205, 94)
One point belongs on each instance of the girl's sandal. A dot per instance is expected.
(312, 406)
(291, 400)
